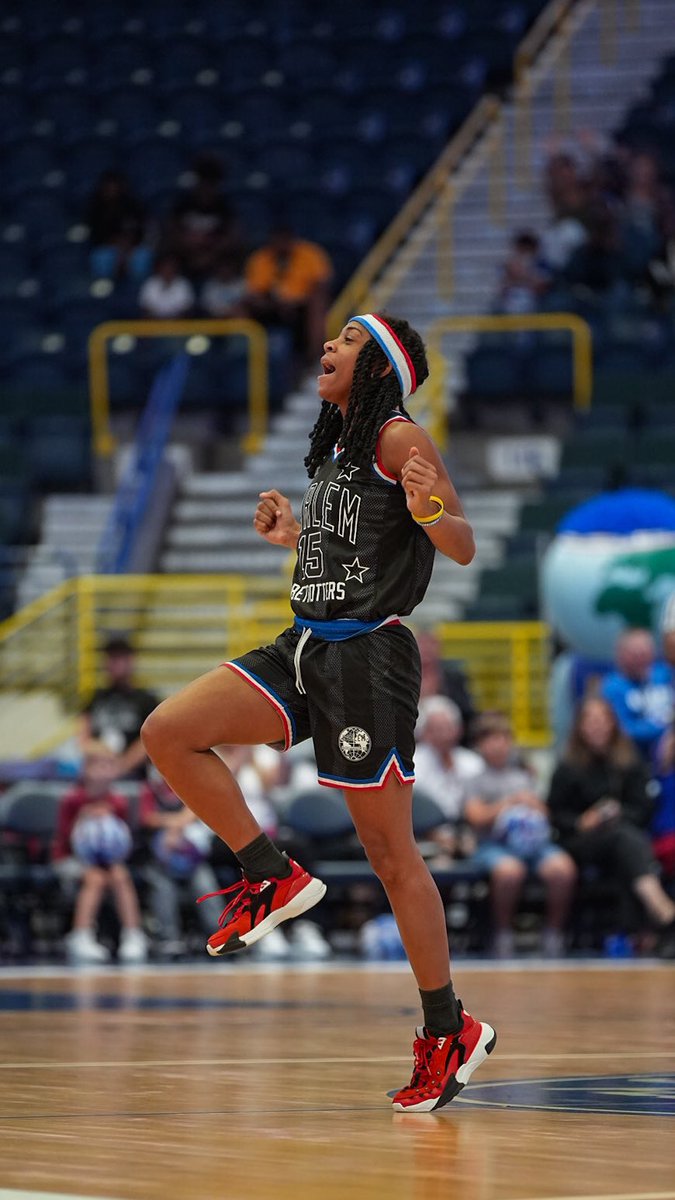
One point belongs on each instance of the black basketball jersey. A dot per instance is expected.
(360, 554)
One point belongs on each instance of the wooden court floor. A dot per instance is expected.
(260, 1083)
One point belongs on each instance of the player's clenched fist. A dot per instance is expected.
(274, 520)
(419, 479)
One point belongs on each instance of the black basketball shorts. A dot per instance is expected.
(359, 703)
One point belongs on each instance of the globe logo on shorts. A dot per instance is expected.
(354, 743)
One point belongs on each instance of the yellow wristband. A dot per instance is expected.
(431, 520)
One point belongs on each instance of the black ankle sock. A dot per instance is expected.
(261, 859)
(442, 1011)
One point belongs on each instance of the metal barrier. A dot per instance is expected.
(508, 665)
(258, 366)
(183, 625)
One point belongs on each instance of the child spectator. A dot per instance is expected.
(523, 278)
(510, 821)
(92, 841)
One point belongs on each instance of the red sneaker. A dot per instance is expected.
(257, 908)
(444, 1065)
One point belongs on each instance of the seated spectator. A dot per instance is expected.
(287, 284)
(115, 713)
(565, 186)
(510, 821)
(559, 242)
(179, 846)
(203, 226)
(117, 230)
(167, 294)
(595, 269)
(443, 678)
(600, 805)
(523, 276)
(223, 292)
(640, 690)
(444, 769)
(92, 841)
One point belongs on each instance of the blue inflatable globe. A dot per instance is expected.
(610, 568)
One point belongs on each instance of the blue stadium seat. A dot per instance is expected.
(59, 460)
(135, 111)
(153, 160)
(549, 371)
(27, 164)
(199, 113)
(54, 58)
(179, 62)
(307, 63)
(87, 159)
(70, 111)
(127, 381)
(493, 372)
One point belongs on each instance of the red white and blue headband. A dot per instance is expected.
(393, 348)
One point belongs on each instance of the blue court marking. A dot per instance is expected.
(651, 1095)
(16, 1000)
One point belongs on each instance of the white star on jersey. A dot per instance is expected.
(355, 570)
(347, 472)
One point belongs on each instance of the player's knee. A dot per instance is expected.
(382, 858)
(158, 732)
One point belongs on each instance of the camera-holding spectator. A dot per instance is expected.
(166, 295)
(117, 230)
(601, 806)
(93, 841)
(640, 690)
(115, 713)
(510, 821)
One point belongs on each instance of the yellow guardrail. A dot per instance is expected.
(508, 666)
(99, 386)
(183, 625)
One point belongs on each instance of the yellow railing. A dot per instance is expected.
(183, 625)
(508, 666)
(99, 386)
(435, 391)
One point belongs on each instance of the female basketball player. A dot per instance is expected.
(347, 673)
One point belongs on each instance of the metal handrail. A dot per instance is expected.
(258, 362)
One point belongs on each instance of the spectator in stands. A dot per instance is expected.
(595, 269)
(524, 278)
(640, 690)
(203, 226)
(444, 769)
(178, 863)
(600, 804)
(287, 285)
(510, 821)
(92, 841)
(443, 678)
(223, 292)
(115, 713)
(167, 294)
(117, 230)
(565, 186)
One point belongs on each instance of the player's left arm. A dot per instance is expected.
(409, 453)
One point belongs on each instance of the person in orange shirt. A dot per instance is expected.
(287, 283)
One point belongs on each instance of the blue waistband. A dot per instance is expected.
(337, 631)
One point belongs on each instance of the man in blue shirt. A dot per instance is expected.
(640, 690)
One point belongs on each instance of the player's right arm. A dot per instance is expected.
(274, 520)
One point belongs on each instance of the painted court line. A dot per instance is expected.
(12, 1194)
(602, 1196)
(59, 1065)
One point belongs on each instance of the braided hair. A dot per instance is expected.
(371, 398)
